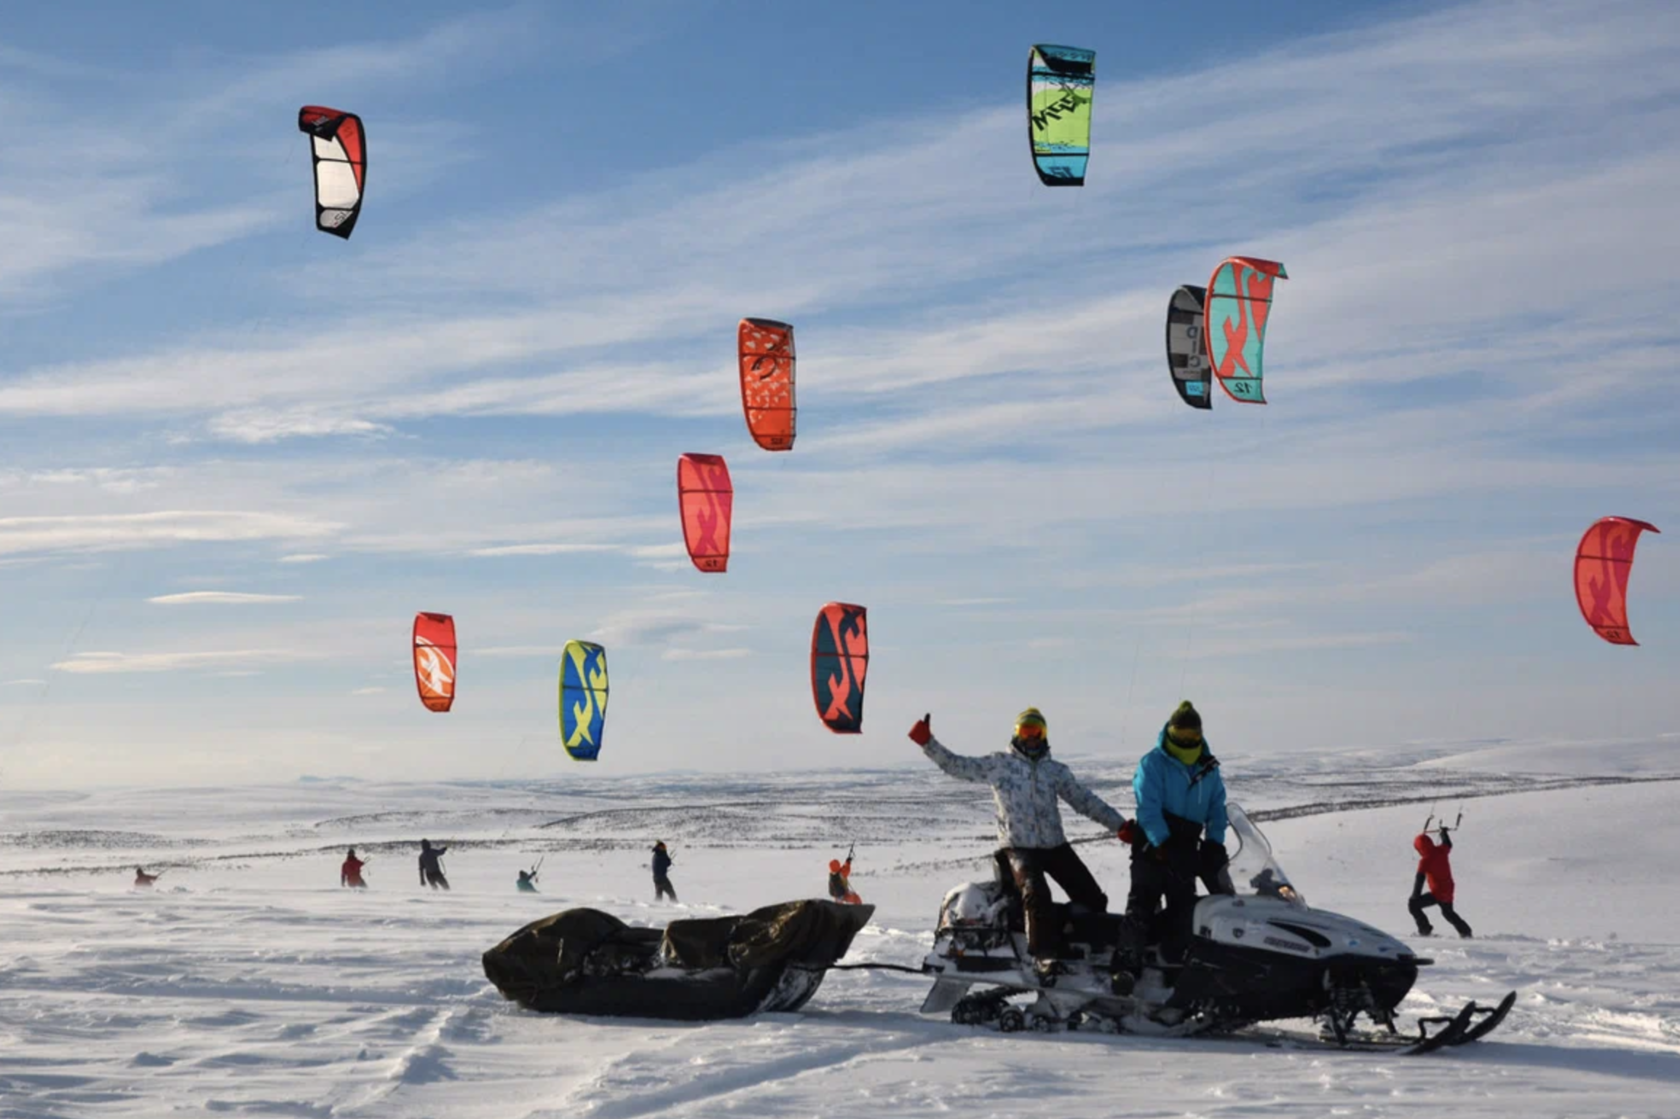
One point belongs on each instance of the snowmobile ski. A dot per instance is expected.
(1491, 1017)
(1451, 1031)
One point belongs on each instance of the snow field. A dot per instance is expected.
(248, 983)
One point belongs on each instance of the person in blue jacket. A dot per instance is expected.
(1181, 815)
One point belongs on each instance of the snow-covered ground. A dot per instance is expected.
(248, 983)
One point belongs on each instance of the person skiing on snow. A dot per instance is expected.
(527, 881)
(662, 872)
(431, 870)
(1180, 794)
(840, 881)
(1435, 868)
(1025, 786)
(350, 873)
(144, 880)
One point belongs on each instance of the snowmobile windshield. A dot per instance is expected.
(1253, 870)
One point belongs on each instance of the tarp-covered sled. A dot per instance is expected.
(584, 961)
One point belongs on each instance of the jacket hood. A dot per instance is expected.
(1423, 844)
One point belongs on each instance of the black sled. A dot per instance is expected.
(584, 961)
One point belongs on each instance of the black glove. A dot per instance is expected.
(1159, 854)
(1214, 855)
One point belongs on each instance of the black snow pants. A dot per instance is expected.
(662, 888)
(1420, 902)
(1171, 872)
(1028, 868)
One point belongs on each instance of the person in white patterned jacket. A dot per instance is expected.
(1026, 784)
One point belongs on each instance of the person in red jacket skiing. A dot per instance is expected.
(350, 872)
(1435, 869)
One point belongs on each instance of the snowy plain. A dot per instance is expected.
(247, 982)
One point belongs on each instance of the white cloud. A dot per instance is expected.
(100, 532)
(92, 663)
(704, 654)
(188, 598)
(540, 549)
(305, 557)
(269, 427)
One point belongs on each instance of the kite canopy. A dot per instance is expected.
(583, 699)
(1603, 562)
(839, 663)
(1187, 359)
(339, 146)
(1239, 301)
(1060, 83)
(767, 375)
(707, 501)
(434, 660)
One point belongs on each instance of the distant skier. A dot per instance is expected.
(1435, 869)
(1179, 795)
(431, 870)
(143, 880)
(1026, 783)
(350, 873)
(662, 872)
(528, 878)
(840, 881)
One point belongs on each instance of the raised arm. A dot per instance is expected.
(960, 766)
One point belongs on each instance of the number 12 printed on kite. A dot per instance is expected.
(767, 378)
(583, 699)
(1060, 84)
(1603, 562)
(434, 660)
(1239, 303)
(839, 663)
(706, 500)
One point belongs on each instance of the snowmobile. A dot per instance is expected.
(1258, 954)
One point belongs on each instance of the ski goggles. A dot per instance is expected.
(1184, 736)
(1030, 732)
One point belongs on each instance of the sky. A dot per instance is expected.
(239, 454)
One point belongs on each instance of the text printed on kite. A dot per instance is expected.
(1187, 358)
(1238, 306)
(1060, 84)
(766, 353)
(583, 699)
(338, 145)
(706, 500)
(1603, 562)
(434, 660)
(840, 665)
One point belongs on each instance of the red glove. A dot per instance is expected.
(1129, 832)
(922, 731)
